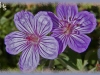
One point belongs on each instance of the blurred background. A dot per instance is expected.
(67, 61)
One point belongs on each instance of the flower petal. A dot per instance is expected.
(23, 21)
(66, 11)
(85, 22)
(29, 59)
(48, 47)
(55, 20)
(79, 43)
(15, 42)
(42, 23)
(61, 38)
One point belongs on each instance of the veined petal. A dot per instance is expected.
(15, 42)
(29, 59)
(79, 43)
(66, 12)
(85, 22)
(55, 20)
(48, 47)
(23, 21)
(42, 23)
(62, 40)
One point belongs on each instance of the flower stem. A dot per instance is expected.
(50, 64)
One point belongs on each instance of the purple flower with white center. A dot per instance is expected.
(71, 27)
(31, 39)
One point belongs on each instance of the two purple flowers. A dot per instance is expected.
(68, 28)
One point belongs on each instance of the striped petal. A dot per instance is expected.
(23, 21)
(79, 43)
(55, 20)
(61, 38)
(15, 42)
(42, 23)
(85, 22)
(66, 12)
(48, 47)
(29, 59)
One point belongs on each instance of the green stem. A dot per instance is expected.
(50, 64)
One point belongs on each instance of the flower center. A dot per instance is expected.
(68, 29)
(32, 38)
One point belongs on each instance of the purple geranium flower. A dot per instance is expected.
(71, 27)
(31, 39)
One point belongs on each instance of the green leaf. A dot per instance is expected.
(72, 65)
(56, 62)
(85, 63)
(71, 69)
(63, 56)
(62, 62)
(8, 12)
(3, 20)
(79, 64)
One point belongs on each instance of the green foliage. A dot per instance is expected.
(43, 7)
(68, 60)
